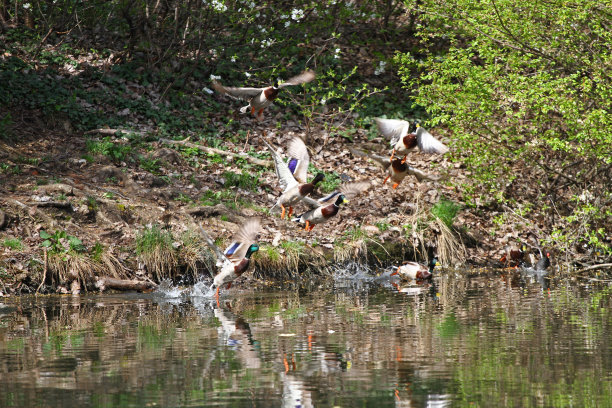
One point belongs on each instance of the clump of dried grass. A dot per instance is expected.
(155, 251)
(425, 230)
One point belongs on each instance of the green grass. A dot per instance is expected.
(446, 211)
(243, 180)
(152, 239)
(13, 243)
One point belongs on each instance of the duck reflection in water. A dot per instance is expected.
(236, 333)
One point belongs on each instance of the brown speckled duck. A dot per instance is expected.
(260, 98)
(397, 131)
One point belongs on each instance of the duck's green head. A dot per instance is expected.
(433, 263)
(318, 178)
(341, 200)
(252, 248)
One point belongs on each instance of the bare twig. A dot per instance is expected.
(212, 150)
(590, 268)
(44, 278)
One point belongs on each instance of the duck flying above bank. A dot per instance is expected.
(293, 191)
(395, 169)
(320, 214)
(260, 98)
(397, 131)
(235, 260)
(326, 207)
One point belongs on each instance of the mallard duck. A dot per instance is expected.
(513, 255)
(320, 214)
(298, 159)
(260, 98)
(397, 170)
(326, 207)
(416, 271)
(396, 131)
(235, 260)
(293, 192)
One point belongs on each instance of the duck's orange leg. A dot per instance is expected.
(395, 185)
(404, 159)
(283, 212)
(290, 212)
(307, 225)
(386, 179)
(252, 111)
(392, 154)
(396, 272)
(217, 296)
(311, 227)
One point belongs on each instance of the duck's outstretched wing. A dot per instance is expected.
(285, 177)
(237, 92)
(222, 260)
(242, 240)
(349, 190)
(298, 159)
(428, 143)
(392, 129)
(302, 78)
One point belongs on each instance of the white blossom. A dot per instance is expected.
(247, 74)
(337, 53)
(287, 23)
(27, 6)
(233, 59)
(218, 5)
(323, 101)
(297, 14)
(266, 43)
(381, 68)
(208, 90)
(215, 77)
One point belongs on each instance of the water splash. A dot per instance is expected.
(352, 271)
(168, 291)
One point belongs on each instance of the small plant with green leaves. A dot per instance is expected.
(383, 225)
(149, 164)
(61, 243)
(116, 151)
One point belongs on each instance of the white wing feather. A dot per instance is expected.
(285, 178)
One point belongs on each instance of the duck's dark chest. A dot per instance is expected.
(329, 211)
(410, 141)
(398, 166)
(241, 266)
(306, 189)
(271, 93)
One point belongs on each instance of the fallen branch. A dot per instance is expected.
(124, 284)
(212, 150)
(590, 268)
(63, 205)
(112, 132)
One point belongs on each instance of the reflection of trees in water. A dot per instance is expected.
(306, 346)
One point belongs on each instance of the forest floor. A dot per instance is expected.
(52, 182)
